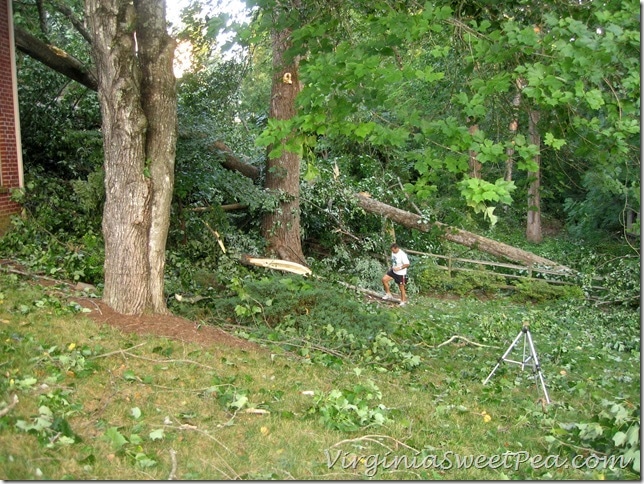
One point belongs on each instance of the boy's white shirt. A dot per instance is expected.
(399, 259)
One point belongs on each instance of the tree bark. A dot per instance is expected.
(533, 228)
(55, 58)
(456, 235)
(233, 163)
(281, 227)
(159, 101)
(133, 56)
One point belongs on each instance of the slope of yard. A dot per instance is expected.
(86, 395)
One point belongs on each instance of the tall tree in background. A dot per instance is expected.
(281, 227)
(133, 56)
(533, 227)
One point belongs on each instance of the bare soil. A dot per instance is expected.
(164, 325)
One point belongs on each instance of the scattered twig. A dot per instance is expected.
(191, 362)
(11, 270)
(409, 198)
(8, 408)
(373, 438)
(194, 428)
(173, 471)
(217, 236)
(121, 351)
(464, 339)
(96, 306)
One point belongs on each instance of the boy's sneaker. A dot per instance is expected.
(403, 303)
(387, 297)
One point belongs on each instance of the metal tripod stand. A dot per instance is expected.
(527, 358)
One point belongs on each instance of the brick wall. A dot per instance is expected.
(10, 150)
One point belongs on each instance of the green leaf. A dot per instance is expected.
(489, 214)
(135, 412)
(550, 140)
(115, 437)
(239, 402)
(364, 129)
(129, 375)
(312, 173)
(135, 439)
(143, 461)
(619, 438)
(633, 435)
(594, 99)
(157, 434)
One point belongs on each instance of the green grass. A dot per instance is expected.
(95, 403)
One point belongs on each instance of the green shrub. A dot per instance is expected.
(538, 291)
(431, 278)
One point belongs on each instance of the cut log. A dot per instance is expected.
(458, 236)
(277, 264)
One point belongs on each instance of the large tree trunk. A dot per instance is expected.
(533, 228)
(281, 227)
(159, 101)
(455, 235)
(133, 55)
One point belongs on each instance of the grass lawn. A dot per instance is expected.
(94, 402)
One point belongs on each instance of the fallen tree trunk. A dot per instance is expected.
(458, 236)
(233, 163)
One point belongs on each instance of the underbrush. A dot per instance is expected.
(312, 318)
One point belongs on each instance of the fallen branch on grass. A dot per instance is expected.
(116, 352)
(466, 340)
(8, 408)
(374, 438)
(173, 471)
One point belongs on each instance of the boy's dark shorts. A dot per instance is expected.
(396, 277)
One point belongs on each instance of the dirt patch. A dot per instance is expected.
(165, 325)
(168, 326)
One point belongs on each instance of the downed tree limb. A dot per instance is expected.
(369, 292)
(226, 208)
(278, 264)
(232, 162)
(410, 220)
(217, 236)
(458, 236)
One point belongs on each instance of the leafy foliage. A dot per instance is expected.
(613, 434)
(351, 409)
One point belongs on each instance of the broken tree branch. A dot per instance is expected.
(8, 408)
(232, 162)
(456, 235)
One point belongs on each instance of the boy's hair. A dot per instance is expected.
(394, 246)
